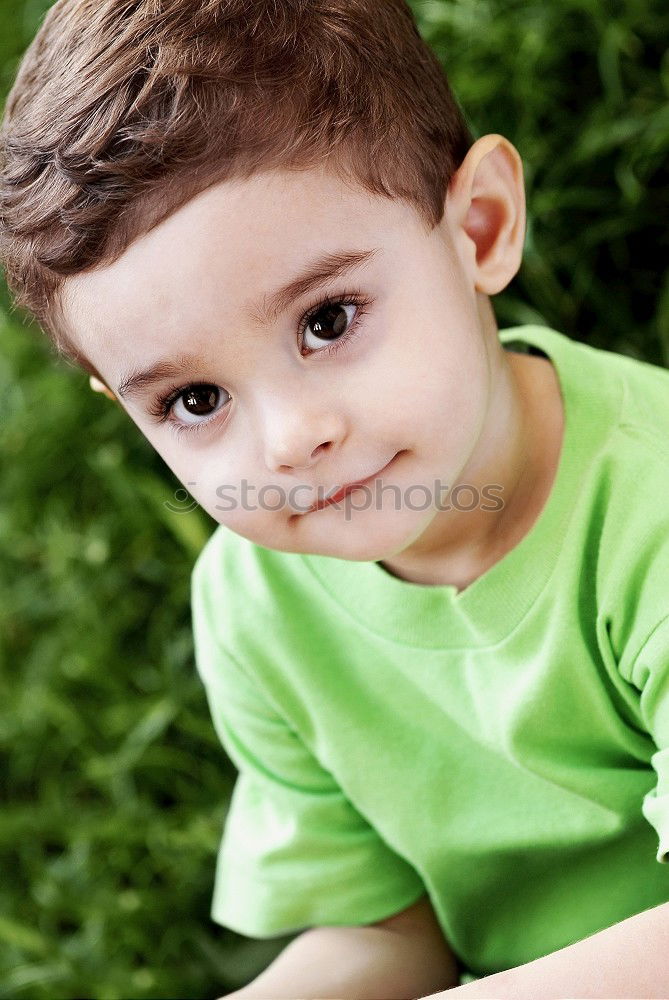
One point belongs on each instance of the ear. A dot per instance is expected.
(485, 209)
(98, 386)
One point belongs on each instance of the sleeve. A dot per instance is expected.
(295, 852)
(650, 674)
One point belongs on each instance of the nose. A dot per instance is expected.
(298, 435)
(299, 458)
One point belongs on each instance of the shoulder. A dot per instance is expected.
(644, 413)
(637, 450)
(633, 511)
(610, 393)
(248, 592)
(209, 578)
(237, 567)
(622, 431)
(635, 390)
(619, 434)
(624, 421)
(622, 437)
(225, 558)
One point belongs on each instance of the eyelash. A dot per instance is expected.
(161, 407)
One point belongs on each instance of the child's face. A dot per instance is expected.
(408, 391)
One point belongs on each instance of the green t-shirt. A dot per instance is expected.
(504, 748)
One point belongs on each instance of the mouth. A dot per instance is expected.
(341, 493)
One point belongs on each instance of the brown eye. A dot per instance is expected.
(198, 398)
(198, 401)
(328, 323)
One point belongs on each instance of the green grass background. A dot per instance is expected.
(114, 788)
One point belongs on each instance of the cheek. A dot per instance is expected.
(238, 500)
(450, 398)
(174, 454)
(218, 479)
(196, 471)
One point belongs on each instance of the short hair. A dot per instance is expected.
(122, 110)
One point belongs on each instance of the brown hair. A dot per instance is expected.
(122, 110)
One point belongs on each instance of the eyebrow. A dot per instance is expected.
(323, 268)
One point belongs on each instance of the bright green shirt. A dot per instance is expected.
(504, 748)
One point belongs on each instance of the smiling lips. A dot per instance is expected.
(340, 494)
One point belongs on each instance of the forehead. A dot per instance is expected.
(225, 248)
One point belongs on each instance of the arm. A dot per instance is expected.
(397, 959)
(629, 959)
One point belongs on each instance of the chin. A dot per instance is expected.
(352, 539)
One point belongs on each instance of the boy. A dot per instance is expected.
(432, 624)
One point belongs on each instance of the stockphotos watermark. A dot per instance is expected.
(271, 497)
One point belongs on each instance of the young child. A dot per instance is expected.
(433, 622)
